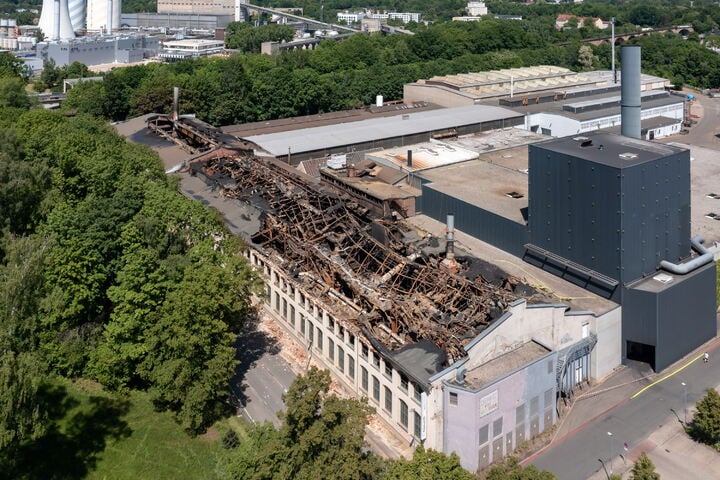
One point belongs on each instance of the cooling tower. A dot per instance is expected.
(77, 13)
(55, 20)
(97, 14)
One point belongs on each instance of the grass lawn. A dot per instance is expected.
(99, 435)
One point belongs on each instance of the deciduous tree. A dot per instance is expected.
(644, 469)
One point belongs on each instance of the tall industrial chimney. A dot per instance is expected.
(409, 158)
(55, 20)
(630, 107)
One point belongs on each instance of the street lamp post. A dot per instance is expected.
(684, 385)
(610, 451)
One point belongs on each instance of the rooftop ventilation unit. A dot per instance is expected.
(628, 156)
(663, 278)
(583, 141)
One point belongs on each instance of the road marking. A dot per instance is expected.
(692, 360)
(249, 416)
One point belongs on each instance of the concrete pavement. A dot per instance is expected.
(642, 410)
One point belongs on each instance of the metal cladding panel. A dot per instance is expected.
(473, 220)
(686, 316)
(655, 214)
(574, 209)
(639, 317)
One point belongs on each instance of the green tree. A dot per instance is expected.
(705, 425)
(428, 465)
(11, 66)
(12, 93)
(511, 469)
(192, 341)
(22, 369)
(321, 437)
(644, 469)
(586, 58)
(247, 38)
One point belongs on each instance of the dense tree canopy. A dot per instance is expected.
(102, 262)
(428, 465)
(321, 437)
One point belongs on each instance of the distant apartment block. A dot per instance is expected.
(357, 17)
(562, 20)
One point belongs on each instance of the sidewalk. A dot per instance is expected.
(674, 453)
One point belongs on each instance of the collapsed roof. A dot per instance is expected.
(388, 290)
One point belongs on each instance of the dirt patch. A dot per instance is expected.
(212, 435)
(87, 385)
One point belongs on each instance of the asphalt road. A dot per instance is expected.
(262, 377)
(705, 132)
(631, 420)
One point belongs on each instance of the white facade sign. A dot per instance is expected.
(488, 404)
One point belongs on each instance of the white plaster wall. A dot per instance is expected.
(558, 125)
(546, 324)
(608, 351)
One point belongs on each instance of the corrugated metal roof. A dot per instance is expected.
(332, 136)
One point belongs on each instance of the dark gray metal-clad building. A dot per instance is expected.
(607, 212)
(614, 205)
(665, 316)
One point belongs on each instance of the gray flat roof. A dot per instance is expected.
(487, 181)
(504, 364)
(556, 108)
(607, 148)
(333, 136)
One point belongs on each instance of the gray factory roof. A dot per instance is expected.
(557, 108)
(609, 149)
(333, 136)
(487, 182)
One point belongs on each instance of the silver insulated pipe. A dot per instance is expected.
(630, 91)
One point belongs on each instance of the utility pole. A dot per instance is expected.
(612, 46)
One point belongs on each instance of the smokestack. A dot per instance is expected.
(108, 24)
(450, 237)
(409, 158)
(176, 101)
(630, 91)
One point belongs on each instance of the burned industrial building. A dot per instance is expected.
(571, 256)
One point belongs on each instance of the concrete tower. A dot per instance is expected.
(103, 15)
(55, 20)
(77, 10)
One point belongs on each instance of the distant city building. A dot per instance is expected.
(175, 21)
(357, 17)
(197, 7)
(564, 18)
(100, 49)
(176, 50)
(476, 9)
(18, 43)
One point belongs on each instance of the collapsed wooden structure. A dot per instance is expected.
(325, 240)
